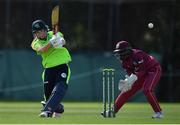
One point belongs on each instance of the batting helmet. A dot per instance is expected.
(39, 25)
(123, 49)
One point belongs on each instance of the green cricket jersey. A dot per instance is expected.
(54, 56)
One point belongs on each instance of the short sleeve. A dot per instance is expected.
(35, 45)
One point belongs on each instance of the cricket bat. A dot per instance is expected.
(55, 19)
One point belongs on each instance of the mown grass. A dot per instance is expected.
(87, 113)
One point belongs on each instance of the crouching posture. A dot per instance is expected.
(55, 59)
(143, 73)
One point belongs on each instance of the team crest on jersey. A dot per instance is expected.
(63, 75)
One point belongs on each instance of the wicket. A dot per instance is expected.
(108, 92)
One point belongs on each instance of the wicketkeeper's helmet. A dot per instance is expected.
(123, 49)
(39, 25)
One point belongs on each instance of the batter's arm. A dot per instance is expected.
(44, 48)
(39, 48)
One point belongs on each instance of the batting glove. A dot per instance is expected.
(57, 41)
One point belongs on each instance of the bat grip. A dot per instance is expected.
(55, 29)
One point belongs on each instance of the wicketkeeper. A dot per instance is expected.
(143, 71)
(55, 59)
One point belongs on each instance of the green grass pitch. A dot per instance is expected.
(87, 113)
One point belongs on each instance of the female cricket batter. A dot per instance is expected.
(55, 59)
(143, 73)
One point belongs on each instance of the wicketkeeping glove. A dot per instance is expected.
(126, 85)
(121, 84)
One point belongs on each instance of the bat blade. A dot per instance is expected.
(55, 19)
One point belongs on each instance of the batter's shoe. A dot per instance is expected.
(56, 115)
(45, 114)
(157, 115)
(60, 108)
(43, 103)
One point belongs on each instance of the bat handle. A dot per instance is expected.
(56, 29)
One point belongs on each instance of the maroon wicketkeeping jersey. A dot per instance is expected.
(139, 63)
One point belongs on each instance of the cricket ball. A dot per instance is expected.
(150, 25)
